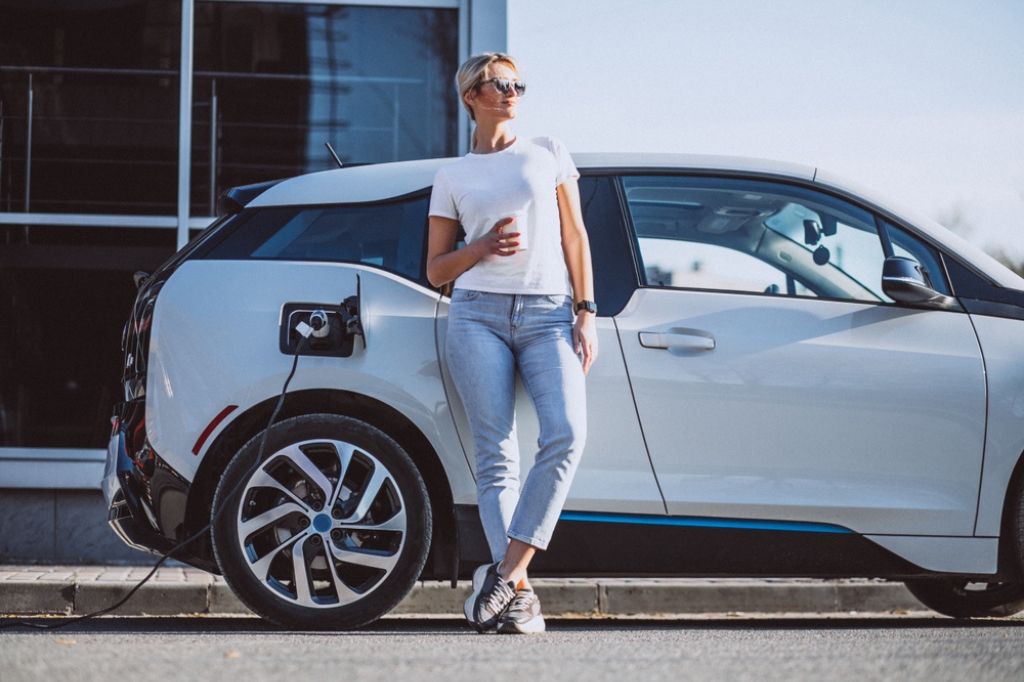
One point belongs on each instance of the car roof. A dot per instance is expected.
(383, 181)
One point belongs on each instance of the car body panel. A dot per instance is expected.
(948, 555)
(353, 184)
(216, 343)
(1004, 443)
(614, 474)
(682, 163)
(870, 417)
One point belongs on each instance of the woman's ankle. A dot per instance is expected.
(517, 578)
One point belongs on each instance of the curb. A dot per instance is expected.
(571, 597)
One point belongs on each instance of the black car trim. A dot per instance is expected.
(233, 200)
(993, 309)
(634, 546)
(979, 295)
(702, 522)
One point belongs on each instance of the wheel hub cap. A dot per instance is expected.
(322, 523)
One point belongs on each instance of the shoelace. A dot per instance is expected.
(521, 602)
(497, 598)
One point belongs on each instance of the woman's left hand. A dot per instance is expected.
(584, 338)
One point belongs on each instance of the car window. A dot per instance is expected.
(388, 235)
(614, 279)
(751, 236)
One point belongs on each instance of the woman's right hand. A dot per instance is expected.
(444, 263)
(497, 242)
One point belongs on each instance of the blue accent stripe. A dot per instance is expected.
(701, 522)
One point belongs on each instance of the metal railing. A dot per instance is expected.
(325, 83)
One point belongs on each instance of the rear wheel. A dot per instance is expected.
(965, 599)
(330, 531)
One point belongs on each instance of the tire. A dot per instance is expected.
(329, 532)
(965, 599)
(962, 598)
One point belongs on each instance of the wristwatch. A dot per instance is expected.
(589, 306)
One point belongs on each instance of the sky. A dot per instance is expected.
(922, 100)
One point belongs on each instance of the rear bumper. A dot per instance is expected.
(146, 498)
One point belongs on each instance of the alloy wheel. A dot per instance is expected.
(321, 523)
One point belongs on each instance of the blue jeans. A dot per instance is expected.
(490, 336)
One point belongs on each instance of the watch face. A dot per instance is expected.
(586, 305)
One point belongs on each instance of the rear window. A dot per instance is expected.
(386, 235)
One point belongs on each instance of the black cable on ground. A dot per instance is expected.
(213, 519)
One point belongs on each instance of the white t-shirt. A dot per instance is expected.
(478, 190)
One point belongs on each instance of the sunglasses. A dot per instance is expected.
(505, 86)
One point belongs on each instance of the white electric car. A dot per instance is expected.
(795, 379)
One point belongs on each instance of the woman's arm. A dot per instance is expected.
(444, 263)
(576, 247)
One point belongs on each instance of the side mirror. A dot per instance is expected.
(904, 281)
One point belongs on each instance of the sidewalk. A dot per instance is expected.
(77, 590)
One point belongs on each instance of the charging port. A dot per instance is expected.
(334, 328)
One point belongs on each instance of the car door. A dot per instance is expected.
(615, 473)
(773, 378)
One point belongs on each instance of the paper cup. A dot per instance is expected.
(520, 225)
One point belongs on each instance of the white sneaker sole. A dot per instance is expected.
(478, 584)
(533, 626)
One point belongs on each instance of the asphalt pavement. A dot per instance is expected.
(844, 648)
(182, 590)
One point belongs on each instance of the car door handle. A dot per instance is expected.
(670, 340)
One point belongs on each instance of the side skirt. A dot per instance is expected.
(600, 544)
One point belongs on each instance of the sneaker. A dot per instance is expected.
(523, 615)
(491, 596)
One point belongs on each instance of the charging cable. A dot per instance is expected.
(304, 331)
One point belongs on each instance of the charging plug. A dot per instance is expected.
(321, 326)
(304, 329)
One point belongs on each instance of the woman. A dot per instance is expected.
(526, 261)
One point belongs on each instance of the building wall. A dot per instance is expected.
(96, 101)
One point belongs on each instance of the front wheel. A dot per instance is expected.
(330, 531)
(965, 599)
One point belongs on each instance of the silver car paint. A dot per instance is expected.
(866, 416)
(1004, 442)
(215, 343)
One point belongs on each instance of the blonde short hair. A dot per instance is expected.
(472, 71)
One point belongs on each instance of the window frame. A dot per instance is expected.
(204, 251)
(879, 215)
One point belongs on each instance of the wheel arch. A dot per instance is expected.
(1011, 543)
(441, 558)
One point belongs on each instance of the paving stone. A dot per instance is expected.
(668, 597)
(567, 597)
(432, 597)
(167, 599)
(223, 600)
(37, 597)
(176, 590)
(81, 531)
(557, 597)
(27, 525)
(876, 596)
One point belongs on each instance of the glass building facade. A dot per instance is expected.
(95, 183)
